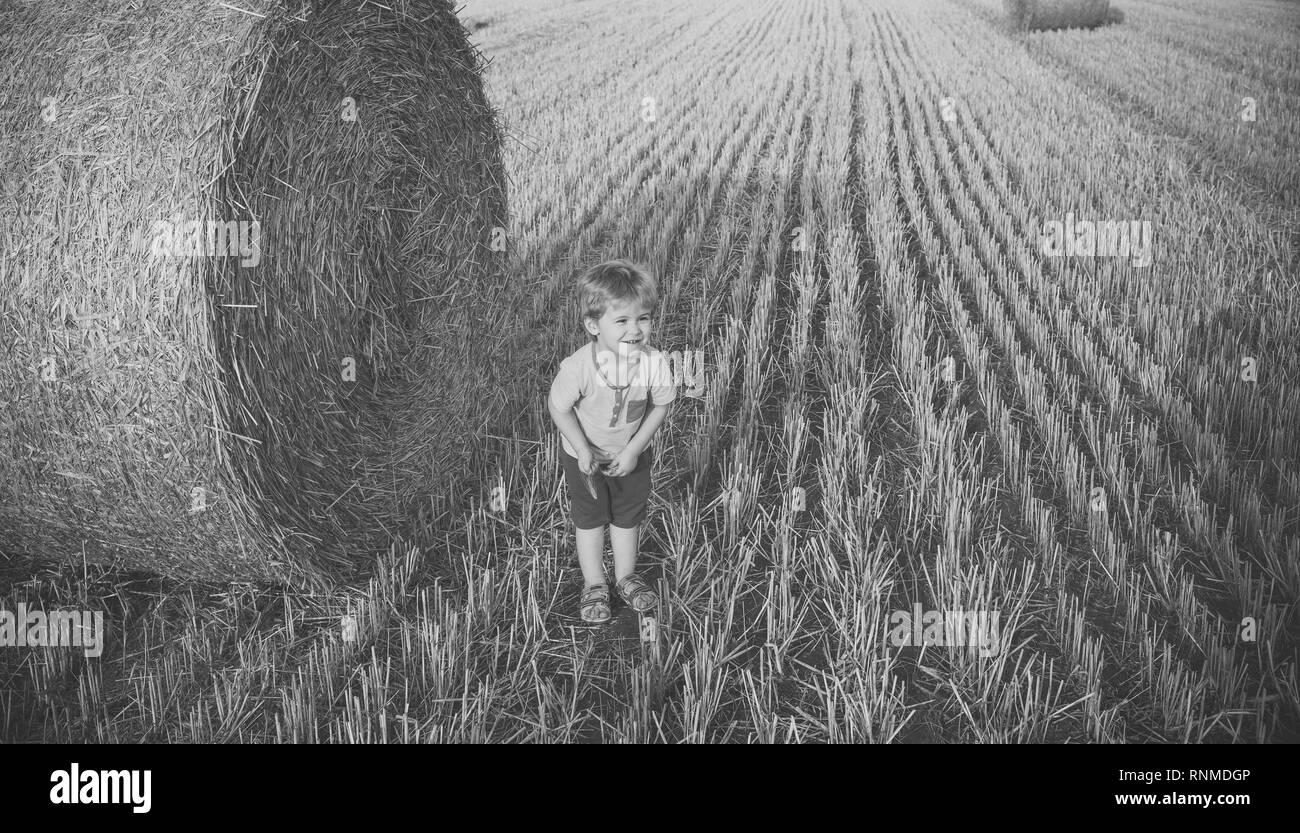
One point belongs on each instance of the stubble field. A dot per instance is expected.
(926, 389)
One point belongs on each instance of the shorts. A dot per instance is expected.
(619, 500)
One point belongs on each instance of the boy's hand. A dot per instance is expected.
(586, 461)
(622, 464)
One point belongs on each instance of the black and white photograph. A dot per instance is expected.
(651, 372)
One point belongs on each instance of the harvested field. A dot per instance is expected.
(993, 438)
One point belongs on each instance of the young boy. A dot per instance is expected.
(608, 399)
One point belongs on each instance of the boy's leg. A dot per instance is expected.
(591, 548)
(589, 518)
(629, 495)
(626, 544)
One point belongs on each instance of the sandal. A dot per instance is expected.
(594, 607)
(637, 593)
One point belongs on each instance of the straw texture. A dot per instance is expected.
(195, 414)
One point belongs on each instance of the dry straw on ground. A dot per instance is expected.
(1060, 14)
(190, 415)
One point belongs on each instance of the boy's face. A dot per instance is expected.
(623, 330)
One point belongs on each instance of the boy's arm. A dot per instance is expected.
(561, 401)
(647, 430)
(567, 422)
(662, 398)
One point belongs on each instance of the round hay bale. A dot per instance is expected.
(1034, 15)
(244, 236)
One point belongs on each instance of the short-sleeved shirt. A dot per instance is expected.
(610, 416)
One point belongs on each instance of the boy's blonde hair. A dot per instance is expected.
(615, 281)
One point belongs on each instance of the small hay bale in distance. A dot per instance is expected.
(1035, 15)
(193, 415)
